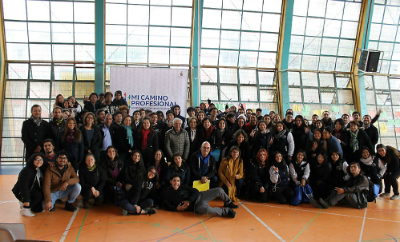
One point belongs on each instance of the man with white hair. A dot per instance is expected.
(202, 165)
(177, 140)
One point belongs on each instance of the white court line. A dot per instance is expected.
(70, 222)
(265, 225)
(362, 227)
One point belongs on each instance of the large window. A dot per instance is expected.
(50, 48)
(321, 48)
(238, 35)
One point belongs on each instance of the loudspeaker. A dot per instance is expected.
(369, 60)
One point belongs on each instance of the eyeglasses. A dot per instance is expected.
(39, 159)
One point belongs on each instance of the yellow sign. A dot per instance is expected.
(202, 187)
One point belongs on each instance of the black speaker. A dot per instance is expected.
(369, 60)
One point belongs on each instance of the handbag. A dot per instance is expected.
(307, 192)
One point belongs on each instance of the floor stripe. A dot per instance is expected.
(77, 237)
(206, 228)
(306, 226)
(70, 222)
(265, 225)
(362, 227)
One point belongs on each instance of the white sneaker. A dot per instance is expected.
(21, 205)
(386, 194)
(124, 212)
(27, 212)
(395, 197)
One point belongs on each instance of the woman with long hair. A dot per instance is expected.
(230, 173)
(161, 166)
(299, 169)
(282, 141)
(147, 142)
(133, 167)
(59, 101)
(113, 166)
(91, 135)
(28, 189)
(92, 179)
(342, 136)
(390, 157)
(124, 139)
(209, 133)
(320, 176)
(70, 140)
(280, 177)
(339, 174)
(226, 135)
(372, 166)
(240, 139)
(259, 176)
(261, 138)
(193, 133)
(314, 146)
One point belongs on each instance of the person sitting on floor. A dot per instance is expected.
(28, 189)
(354, 192)
(137, 199)
(60, 181)
(177, 197)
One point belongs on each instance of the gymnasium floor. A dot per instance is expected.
(253, 222)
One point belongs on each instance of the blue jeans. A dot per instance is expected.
(72, 192)
(145, 203)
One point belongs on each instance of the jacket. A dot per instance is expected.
(75, 151)
(33, 135)
(27, 180)
(95, 145)
(53, 180)
(152, 146)
(141, 188)
(373, 134)
(177, 142)
(108, 167)
(113, 128)
(359, 186)
(259, 175)
(183, 171)
(54, 130)
(88, 179)
(195, 164)
(172, 198)
(195, 144)
(214, 138)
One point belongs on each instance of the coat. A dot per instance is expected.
(183, 171)
(227, 172)
(75, 151)
(53, 181)
(214, 138)
(194, 164)
(33, 135)
(177, 142)
(152, 146)
(195, 144)
(359, 186)
(54, 130)
(95, 145)
(96, 178)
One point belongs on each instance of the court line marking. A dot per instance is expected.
(362, 227)
(306, 226)
(206, 228)
(265, 225)
(70, 222)
(77, 237)
(337, 214)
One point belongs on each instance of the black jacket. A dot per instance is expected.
(95, 145)
(194, 164)
(27, 181)
(259, 175)
(113, 128)
(172, 198)
(107, 167)
(152, 146)
(75, 151)
(88, 179)
(359, 186)
(261, 141)
(373, 134)
(141, 188)
(54, 130)
(33, 135)
(121, 140)
(195, 144)
(214, 138)
(183, 171)
(93, 108)
(363, 140)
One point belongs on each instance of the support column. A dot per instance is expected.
(283, 56)
(195, 52)
(2, 71)
(99, 45)
(359, 94)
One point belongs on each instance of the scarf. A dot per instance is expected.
(39, 175)
(354, 141)
(58, 121)
(114, 165)
(367, 161)
(91, 168)
(145, 134)
(129, 134)
(36, 121)
(230, 172)
(337, 133)
(280, 134)
(208, 132)
(70, 136)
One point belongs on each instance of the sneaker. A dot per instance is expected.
(231, 213)
(58, 201)
(323, 203)
(124, 212)
(314, 203)
(69, 206)
(395, 197)
(21, 204)
(150, 211)
(231, 205)
(386, 194)
(27, 212)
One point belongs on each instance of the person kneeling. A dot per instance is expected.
(137, 197)
(60, 181)
(179, 197)
(354, 192)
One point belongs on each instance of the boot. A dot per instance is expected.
(313, 202)
(69, 207)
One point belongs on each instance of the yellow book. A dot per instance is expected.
(202, 187)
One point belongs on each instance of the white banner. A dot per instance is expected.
(151, 88)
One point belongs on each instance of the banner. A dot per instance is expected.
(151, 88)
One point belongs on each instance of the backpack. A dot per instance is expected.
(373, 191)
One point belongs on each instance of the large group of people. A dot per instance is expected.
(148, 159)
